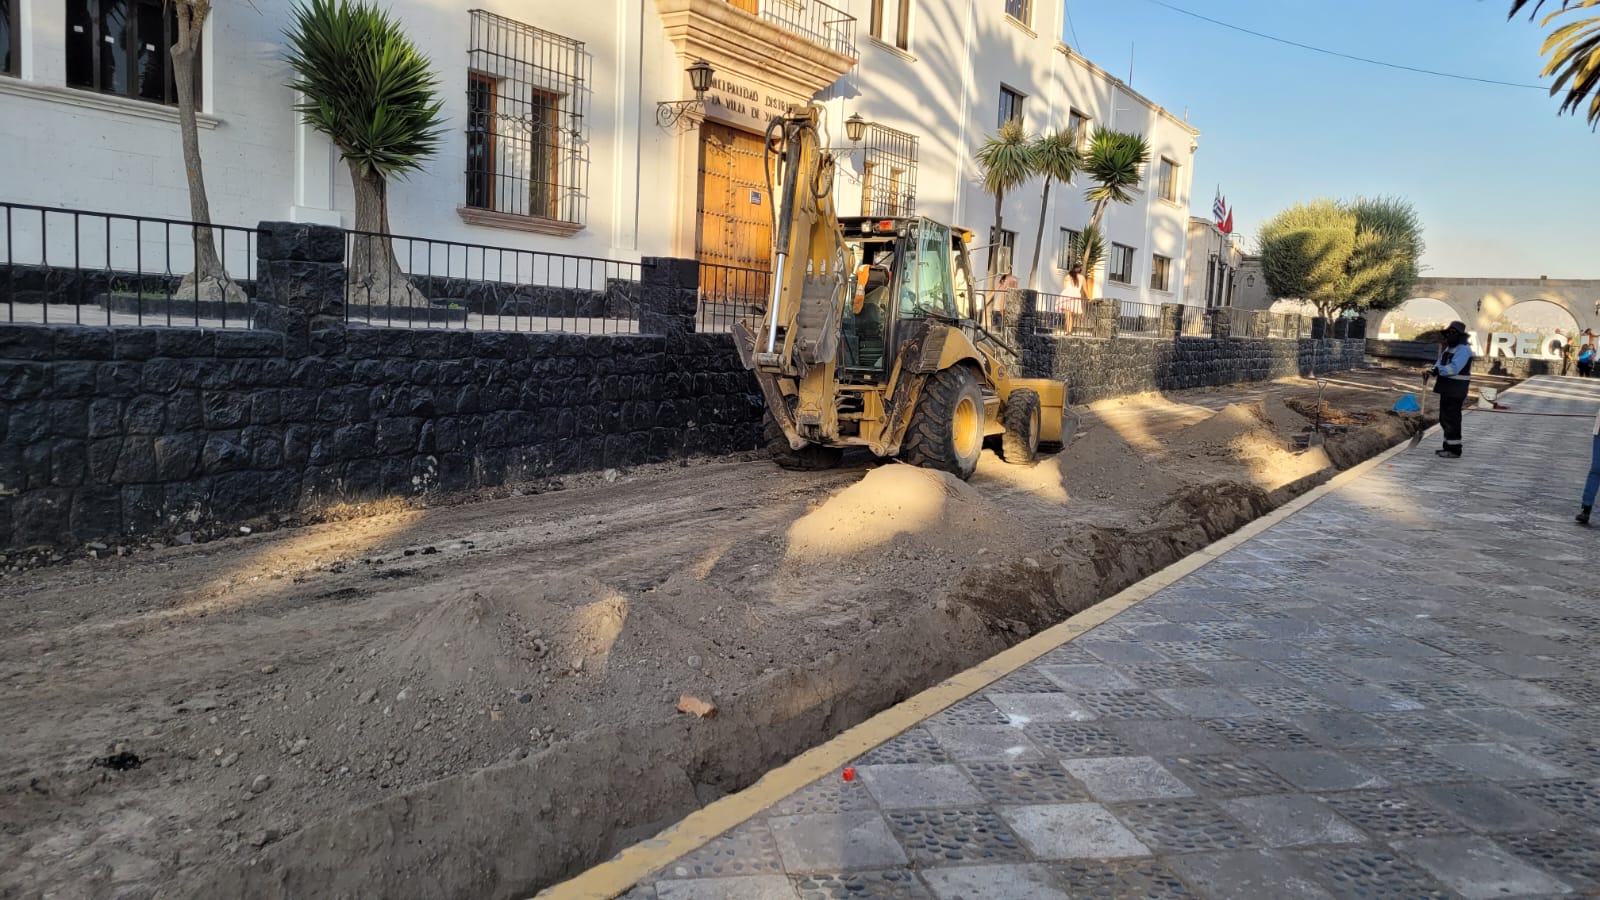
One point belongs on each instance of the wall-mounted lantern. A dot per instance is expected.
(670, 113)
(855, 128)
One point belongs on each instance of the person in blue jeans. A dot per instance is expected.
(1591, 485)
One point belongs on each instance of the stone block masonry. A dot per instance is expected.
(108, 433)
(1100, 368)
(1108, 365)
(116, 432)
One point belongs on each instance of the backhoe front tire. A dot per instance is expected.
(810, 458)
(946, 429)
(1021, 418)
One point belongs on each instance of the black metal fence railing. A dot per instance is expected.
(729, 294)
(412, 282)
(813, 20)
(1283, 325)
(1135, 319)
(70, 266)
(1062, 315)
(1240, 321)
(1196, 322)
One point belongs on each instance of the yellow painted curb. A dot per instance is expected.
(618, 875)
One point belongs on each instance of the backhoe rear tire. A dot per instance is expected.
(946, 429)
(1021, 418)
(812, 457)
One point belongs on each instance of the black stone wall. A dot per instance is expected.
(116, 432)
(1098, 368)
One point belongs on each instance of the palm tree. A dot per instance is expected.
(209, 280)
(1006, 158)
(369, 89)
(1574, 51)
(1115, 165)
(1055, 156)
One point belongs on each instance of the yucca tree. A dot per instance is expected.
(1086, 251)
(1115, 165)
(209, 280)
(1006, 159)
(1054, 156)
(368, 88)
(1574, 52)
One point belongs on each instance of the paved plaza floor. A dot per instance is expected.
(1392, 691)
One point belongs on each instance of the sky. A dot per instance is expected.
(1503, 186)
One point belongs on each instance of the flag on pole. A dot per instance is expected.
(1227, 223)
(1219, 207)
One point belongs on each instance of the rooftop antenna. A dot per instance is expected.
(1131, 45)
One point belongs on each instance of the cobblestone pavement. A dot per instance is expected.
(1392, 692)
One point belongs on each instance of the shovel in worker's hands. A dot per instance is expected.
(1423, 425)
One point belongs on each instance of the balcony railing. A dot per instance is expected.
(813, 20)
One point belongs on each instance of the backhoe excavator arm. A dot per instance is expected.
(811, 267)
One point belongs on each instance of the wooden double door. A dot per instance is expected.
(734, 235)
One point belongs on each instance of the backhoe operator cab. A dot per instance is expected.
(871, 335)
(906, 269)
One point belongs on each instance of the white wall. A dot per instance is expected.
(86, 151)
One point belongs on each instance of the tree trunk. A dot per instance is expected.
(209, 280)
(994, 248)
(1095, 216)
(374, 275)
(1038, 238)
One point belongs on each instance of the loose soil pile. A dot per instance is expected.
(480, 699)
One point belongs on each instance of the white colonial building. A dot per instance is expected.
(558, 141)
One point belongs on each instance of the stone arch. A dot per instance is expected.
(1416, 315)
(1481, 301)
(1539, 314)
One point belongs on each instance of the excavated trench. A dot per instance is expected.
(512, 829)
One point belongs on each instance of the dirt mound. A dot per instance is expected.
(1223, 430)
(896, 505)
(499, 638)
(1102, 466)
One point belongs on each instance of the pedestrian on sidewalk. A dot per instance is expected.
(1586, 359)
(1453, 381)
(1592, 484)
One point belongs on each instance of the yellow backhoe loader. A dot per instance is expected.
(873, 335)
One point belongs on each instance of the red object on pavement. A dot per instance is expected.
(849, 773)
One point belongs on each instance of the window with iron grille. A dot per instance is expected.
(1006, 249)
(1168, 185)
(898, 14)
(1121, 268)
(120, 47)
(10, 38)
(1064, 260)
(1160, 272)
(1010, 104)
(527, 153)
(1021, 10)
(888, 173)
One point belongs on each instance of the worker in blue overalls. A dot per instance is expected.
(1453, 372)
